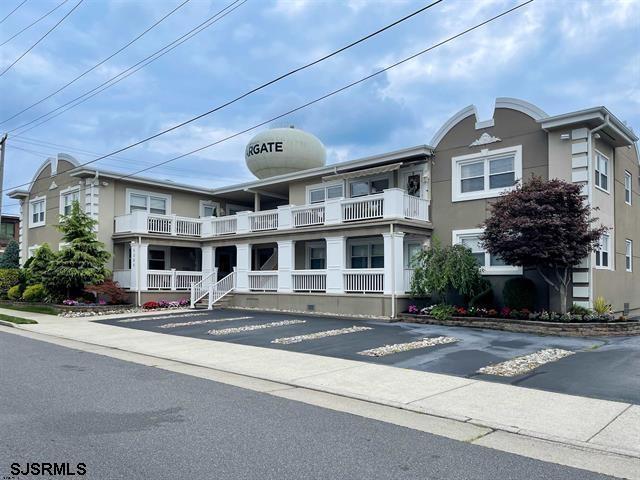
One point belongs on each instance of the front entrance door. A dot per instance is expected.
(225, 261)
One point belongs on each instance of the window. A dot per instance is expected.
(148, 202)
(367, 255)
(320, 193)
(628, 255)
(7, 230)
(157, 259)
(628, 181)
(491, 264)
(66, 200)
(485, 174)
(209, 208)
(358, 188)
(37, 210)
(413, 249)
(602, 172)
(602, 252)
(32, 250)
(317, 257)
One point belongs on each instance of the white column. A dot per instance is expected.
(135, 255)
(243, 266)
(284, 217)
(208, 259)
(243, 222)
(393, 203)
(333, 211)
(286, 262)
(393, 262)
(139, 265)
(336, 263)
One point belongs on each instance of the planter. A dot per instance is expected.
(572, 329)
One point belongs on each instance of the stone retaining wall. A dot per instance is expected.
(582, 329)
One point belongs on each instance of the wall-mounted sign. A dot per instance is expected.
(266, 147)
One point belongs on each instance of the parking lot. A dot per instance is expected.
(606, 368)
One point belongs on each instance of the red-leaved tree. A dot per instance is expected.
(543, 225)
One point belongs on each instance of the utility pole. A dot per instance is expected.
(3, 146)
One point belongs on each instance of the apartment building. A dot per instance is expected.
(339, 238)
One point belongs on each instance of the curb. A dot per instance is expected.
(8, 324)
(585, 446)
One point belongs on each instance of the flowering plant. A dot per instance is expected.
(413, 309)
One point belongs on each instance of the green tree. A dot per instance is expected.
(83, 260)
(38, 264)
(11, 256)
(441, 269)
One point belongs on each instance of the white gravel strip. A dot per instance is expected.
(201, 322)
(404, 347)
(313, 336)
(249, 328)
(162, 317)
(525, 363)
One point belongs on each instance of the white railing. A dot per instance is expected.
(415, 208)
(188, 226)
(123, 277)
(260, 221)
(408, 278)
(123, 223)
(263, 281)
(370, 206)
(159, 224)
(221, 288)
(200, 289)
(224, 225)
(171, 279)
(364, 280)
(306, 216)
(309, 280)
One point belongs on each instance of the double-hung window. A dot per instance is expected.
(320, 193)
(486, 174)
(148, 202)
(37, 211)
(317, 257)
(359, 188)
(602, 172)
(603, 252)
(367, 254)
(628, 255)
(209, 208)
(66, 200)
(490, 264)
(628, 182)
(157, 259)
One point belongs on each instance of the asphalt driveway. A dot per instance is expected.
(606, 367)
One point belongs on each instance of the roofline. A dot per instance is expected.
(598, 113)
(18, 193)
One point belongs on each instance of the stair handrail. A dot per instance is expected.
(200, 289)
(221, 288)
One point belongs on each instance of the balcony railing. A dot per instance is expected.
(171, 279)
(364, 280)
(263, 281)
(309, 280)
(393, 203)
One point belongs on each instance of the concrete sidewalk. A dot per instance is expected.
(587, 423)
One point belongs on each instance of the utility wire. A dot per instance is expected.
(271, 82)
(132, 69)
(41, 38)
(13, 11)
(33, 23)
(323, 97)
(127, 45)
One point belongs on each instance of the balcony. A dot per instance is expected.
(393, 203)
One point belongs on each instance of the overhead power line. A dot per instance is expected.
(33, 23)
(134, 68)
(323, 97)
(13, 11)
(91, 69)
(41, 38)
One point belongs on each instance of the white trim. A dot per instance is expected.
(452, 122)
(628, 254)
(628, 176)
(521, 106)
(609, 170)
(64, 193)
(456, 237)
(325, 185)
(43, 222)
(209, 203)
(607, 250)
(31, 250)
(485, 155)
(147, 193)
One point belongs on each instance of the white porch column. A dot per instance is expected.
(133, 272)
(336, 263)
(243, 266)
(393, 263)
(140, 265)
(286, 262)
(208, 259)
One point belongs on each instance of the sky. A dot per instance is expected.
(561, 55)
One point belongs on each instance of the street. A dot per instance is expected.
(125, 420)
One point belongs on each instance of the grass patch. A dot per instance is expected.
(31, 308)
(18, 320)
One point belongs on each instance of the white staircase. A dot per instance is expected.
(214, 290)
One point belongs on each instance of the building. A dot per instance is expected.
(338, 238)
(9, 227)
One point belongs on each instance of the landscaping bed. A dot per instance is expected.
(575, 329)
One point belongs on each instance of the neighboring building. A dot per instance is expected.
(9, 228)
(338, 238)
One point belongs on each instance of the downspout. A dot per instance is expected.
(590, 172)
(393, 274)
(139, 293)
